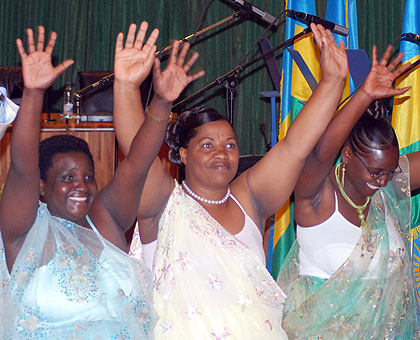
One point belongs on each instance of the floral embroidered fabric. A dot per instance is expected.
(68, 282)
(209, 285)
(372, 295)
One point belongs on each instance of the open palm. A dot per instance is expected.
(170, 83)
(37, 69)
(134, 61)
(334, 64)
(379, 82)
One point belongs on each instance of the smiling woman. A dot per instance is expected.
(64, 265)
(349, 274)
(67, 174)
(203, 239)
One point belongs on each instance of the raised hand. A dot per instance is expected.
(134, 61)
(37, 69)
(170, 83)
(378, 83)
(334, 64)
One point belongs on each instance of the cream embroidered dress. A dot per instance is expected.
(208, 285)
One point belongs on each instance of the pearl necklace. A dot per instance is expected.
(359, 208)
(205, 200)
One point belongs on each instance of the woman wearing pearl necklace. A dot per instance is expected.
(208, 262)
(349, 274)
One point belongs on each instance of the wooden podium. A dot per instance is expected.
(102, 143)
(99, 135)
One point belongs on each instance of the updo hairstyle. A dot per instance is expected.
(57, 144)
(181, 130)
(373, 131)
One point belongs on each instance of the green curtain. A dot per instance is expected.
(87, 30)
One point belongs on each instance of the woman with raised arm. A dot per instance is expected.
(209, 265)
(349, 274)
(65, 268)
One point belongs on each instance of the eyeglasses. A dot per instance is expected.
(378, 174)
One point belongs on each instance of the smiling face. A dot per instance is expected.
(70, 186)
(212, 155)
(368, 172)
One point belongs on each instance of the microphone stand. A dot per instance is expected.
(229, 80)
(106, 79)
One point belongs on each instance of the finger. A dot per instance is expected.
(119, 42)
(174, 52)
(397, 92)
(51, 43)
(130, 36)
(396, 61)
(191, 62)
(402, 70)
(196, 76)
(386, 56)
(181, 56)
(156, 70)
(141, 35)
(317, 34)
(59, 69)
(31, 43)
(150, 59)
(41, 39)
(374, 55)
(151, 41)
(20, 48)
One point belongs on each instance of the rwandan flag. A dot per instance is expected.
(293, 88)
(406, 119)
(296, 88)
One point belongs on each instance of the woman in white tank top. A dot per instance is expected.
(349, 274)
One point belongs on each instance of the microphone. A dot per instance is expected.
(412, 36)
(263, 15)
(90, 87)
(308, 18)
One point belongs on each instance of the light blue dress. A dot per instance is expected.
(68, 282)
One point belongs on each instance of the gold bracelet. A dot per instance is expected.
(156, 119)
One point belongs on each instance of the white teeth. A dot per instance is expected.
(78, 199)
(372, 186)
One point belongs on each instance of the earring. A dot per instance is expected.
(343, 172)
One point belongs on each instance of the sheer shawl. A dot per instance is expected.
(68, 282)
(372, 295)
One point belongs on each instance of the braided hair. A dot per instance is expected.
(183, 129)
(373, 131)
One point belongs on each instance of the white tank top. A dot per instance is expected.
(250, 235)
(325, 247)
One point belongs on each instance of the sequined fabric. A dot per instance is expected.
(208, 285)
(372, 295)
(68, 282)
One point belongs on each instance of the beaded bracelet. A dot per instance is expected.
(156, 119)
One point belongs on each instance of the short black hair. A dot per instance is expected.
(57, 144)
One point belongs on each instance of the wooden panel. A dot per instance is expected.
(99, 136)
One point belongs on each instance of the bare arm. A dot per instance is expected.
(414, 159)
(272, 180)
(19, 202)
(378, 84)
(129, 115)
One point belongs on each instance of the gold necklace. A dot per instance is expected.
(359, 208)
